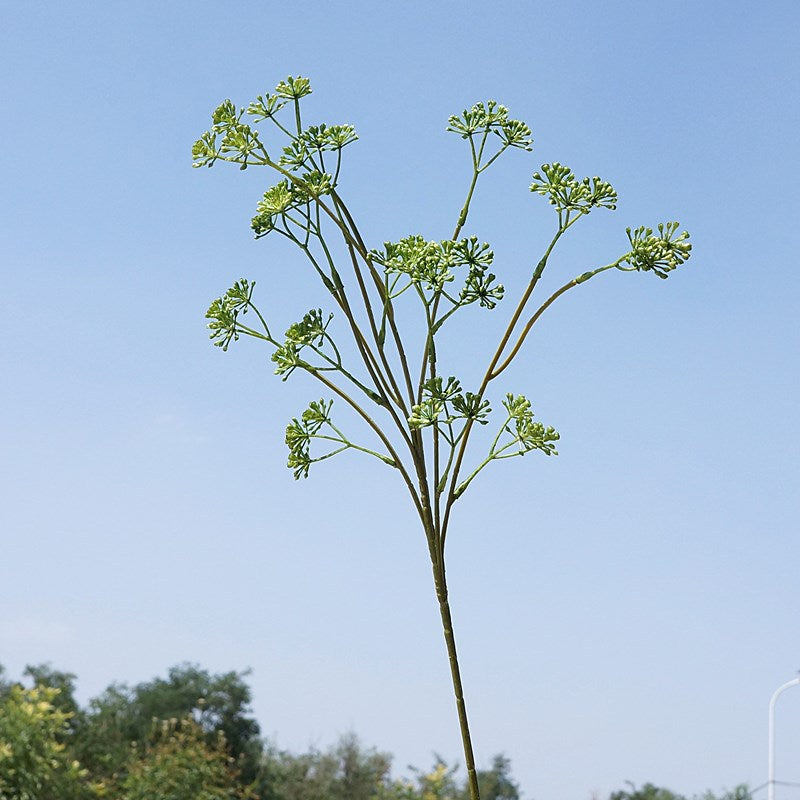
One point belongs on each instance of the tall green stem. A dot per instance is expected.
(450, 641)
(462, 217)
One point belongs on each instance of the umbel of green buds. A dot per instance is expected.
(412, 418)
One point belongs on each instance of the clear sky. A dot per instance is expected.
(623, 611)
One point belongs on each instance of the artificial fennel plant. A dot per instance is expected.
(419, 420)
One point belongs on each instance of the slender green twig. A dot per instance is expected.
(547, 303)
(379, 431)
(523, 301)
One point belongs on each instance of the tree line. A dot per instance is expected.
(191, 736)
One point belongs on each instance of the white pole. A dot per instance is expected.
(771, 778)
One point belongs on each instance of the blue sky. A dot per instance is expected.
(623, 611)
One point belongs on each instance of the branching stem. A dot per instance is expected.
(305, 198)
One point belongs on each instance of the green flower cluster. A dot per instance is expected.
(518, 435)
(525, 432)
(444, 403)
(309, 332)
(430, 264)
(293, 88)
(233, 139)
(229, 139)
(281, 200)
(299, 433)
(315, 423)
(224, 312)
(558, 183)
(307, 147)
(658, 253)
(491, 118)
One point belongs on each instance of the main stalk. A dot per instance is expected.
(455, 672)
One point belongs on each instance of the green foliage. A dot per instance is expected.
(5, 685)
(422, 426)
(102, 740)
(347, 771)
(496, 783)
(34, 761)
(171, 756)
(344, 772)
(43, 675)
(442, 782)
(178, 763)
(129, 745)
(647, 792)
(122, 715)
(740, 792)
(652, 792)
(439, 783)
(219, 703)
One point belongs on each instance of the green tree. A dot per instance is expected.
(45, 675)
(219, 704)
(650, 791)
(647, 792)
(418, 420)
(178, 763)
(103, 739)
(344, 772)
(439, 783)
(349, 771)
(496, 783)
(34, 761)
(126, 746)
(5, 685)
(739, 792)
